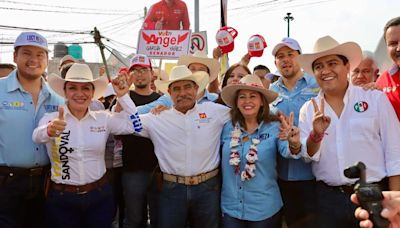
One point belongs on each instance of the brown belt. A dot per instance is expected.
(79, 189)
(36, 171)
(192, 180)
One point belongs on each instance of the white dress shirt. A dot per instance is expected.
(367, 131)
(77, 155)
(187, 144)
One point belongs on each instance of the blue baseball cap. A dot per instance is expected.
(31, 39)
(288, 42)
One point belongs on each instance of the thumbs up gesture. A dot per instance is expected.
(57, 125)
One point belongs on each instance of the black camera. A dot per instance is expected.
(369, 195)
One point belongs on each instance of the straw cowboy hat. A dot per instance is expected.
(201, 57)
(78, 73)
(181, 73)
(249, 82)
(328, 46)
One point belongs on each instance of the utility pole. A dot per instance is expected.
(97, 40)
(196, 15)
(288, 18)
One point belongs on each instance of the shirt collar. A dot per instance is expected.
(208, 97)
(393, 70)
(88, 114)
(305, 77)
(13, 84)
(349, 90)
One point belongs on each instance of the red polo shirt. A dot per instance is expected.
(171, 16)
(389, 81)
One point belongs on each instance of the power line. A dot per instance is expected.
(64, 7)
(43, 30)
(59, 11)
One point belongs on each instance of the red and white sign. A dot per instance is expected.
(198, 42)
(163, 44)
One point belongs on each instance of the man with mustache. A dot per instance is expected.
(389, 81)
(186, 142)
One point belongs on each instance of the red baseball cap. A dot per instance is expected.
(225, 39)
(256, 45)
(140, 60)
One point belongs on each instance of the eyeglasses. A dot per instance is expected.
(141, 71)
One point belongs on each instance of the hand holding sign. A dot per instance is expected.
(57, 125)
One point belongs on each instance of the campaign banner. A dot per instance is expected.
(163, 44)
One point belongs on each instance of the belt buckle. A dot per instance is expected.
(191, 181)
(79, 192)
(35, 171)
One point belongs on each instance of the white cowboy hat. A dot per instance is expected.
(328, 46)
(181, 73)
(78, 73)
(201, 57)
(250, 82)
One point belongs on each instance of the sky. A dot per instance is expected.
(361, 21)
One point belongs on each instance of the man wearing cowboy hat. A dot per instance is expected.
(344, 125)
(296, 181)
(196, 62)
(25, 98)
(186, 141)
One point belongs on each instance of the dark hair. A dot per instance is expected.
(262, 115)
(229, 71)
(65, 85)
(7, 66)
(64, 69)
(392, 22)
(344, 59)
(261, 67)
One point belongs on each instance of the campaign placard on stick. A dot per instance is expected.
(163, 44)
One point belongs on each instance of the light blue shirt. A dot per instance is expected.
(258, 198)
(18, 119)
(166, 100)
(291, 101)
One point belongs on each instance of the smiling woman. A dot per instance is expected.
(76, 138)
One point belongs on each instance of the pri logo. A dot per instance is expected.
(361, 106)
(202, 115)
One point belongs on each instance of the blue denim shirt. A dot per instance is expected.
(291, 101)
(258, 198)
(165, 100)
(18, 118)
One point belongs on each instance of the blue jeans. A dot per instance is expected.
(139, 189)
(299, 206)
(196, 205)
(21, 201)
(271, 222)
(334, 208)
(94, 209)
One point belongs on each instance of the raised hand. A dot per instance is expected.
(122, 83)
(57, 125)
(287, 130)
(320, 121)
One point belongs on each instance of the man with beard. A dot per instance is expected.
(389, 81)
(25, 98)
(296, 181)
(139, 160)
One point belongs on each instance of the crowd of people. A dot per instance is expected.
(253, 149)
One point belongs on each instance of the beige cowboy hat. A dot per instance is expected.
(250, 82)
(328, 46)
(201, 57)
(78, 73)
(182, 73)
